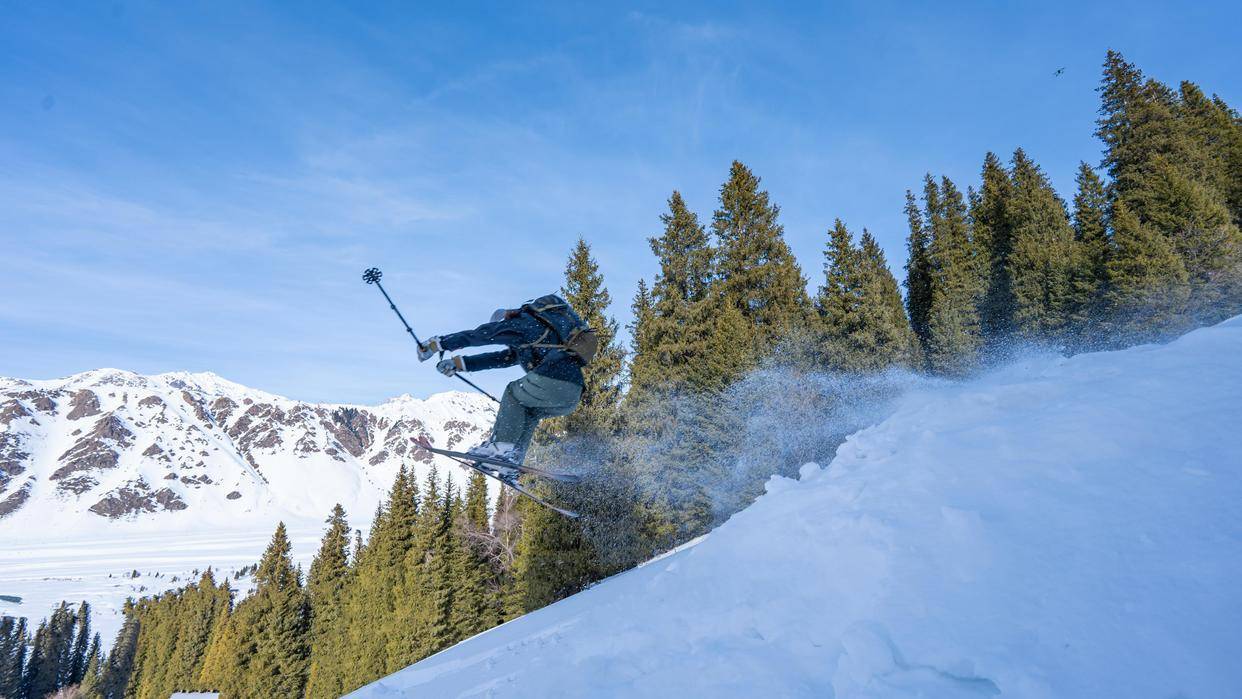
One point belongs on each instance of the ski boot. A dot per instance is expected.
(500, 450)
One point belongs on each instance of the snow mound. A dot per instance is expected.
(1057, 528)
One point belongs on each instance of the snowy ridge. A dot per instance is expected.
(114, 449)
(1057, 528)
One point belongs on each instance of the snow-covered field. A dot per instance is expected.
(1058, 528)
(99, 568)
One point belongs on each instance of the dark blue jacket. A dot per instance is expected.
(517, 333)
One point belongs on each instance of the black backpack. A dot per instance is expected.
(562, 324)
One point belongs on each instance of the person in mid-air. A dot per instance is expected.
(550, 341)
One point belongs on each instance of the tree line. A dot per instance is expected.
(1148, 247)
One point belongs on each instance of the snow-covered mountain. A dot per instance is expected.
(115, 449)
(1058, 528)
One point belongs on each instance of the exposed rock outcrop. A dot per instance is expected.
(16, 499)
(96, 450)
(84, 403)
(137, 496)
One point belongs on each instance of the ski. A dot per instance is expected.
(552, 476)
(477, 464)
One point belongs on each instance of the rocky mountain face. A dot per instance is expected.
(111, 445)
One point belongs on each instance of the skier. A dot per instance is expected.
(550, 341)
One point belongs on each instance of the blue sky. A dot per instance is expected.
(198, 186)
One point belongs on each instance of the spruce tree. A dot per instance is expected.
(994, 241)
(693, 345)
(954, 331)
(377, 612)
(597, 412)
(39, 678)
(81, 644)
(14, 640)
(406, 624)
(1147, 284)
(1232, 146)
(1208, 126)
(1137, 123)
(757, 273)
(890, 333)
(51, 655)
(685, 257)
(91, 676)
(838, 298)
(683, 285)
(265, 643)
(1198, 225)
(1169, 155)
(114, 679)
(326, 585)
(429, 565)
(1045, 261)
(865, 328)
(476, 606)
(918, 266)
(553, 559)
(641, 309)
(1091, 233)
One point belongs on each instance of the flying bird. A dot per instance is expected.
(1058, 73)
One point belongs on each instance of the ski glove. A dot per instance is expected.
(452, 365)
(428, 348)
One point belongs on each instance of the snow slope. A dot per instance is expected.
(1058, 528)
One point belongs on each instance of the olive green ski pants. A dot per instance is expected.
(529, 400)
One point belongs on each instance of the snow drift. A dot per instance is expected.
(1057, 528)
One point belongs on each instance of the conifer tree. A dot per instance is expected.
(690, 350)
(838, 296)
(553, 558)
(90, 686)
(114, 679)
(1169, 156)
(194, 615)
(1137, 123)
(38, 680)
(1045, 262)
(14, 639)
(264, 650)
(1198, 225)
(685, 255)
(954, 332)
(51, 655)
(1232, 145)
(81, 644)
(892, 335)
(865, 328)
(597, 416)
(1091, 233)
(476, 606)
(1147, 285)
(326, 585)
(993, 239)
(1208, 126)
(684, 282)
(757, 273)
(641, 309)
(918, 265)
(597, 412)
(434, 585)
(377, 610)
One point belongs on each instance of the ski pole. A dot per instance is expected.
(373, 276)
